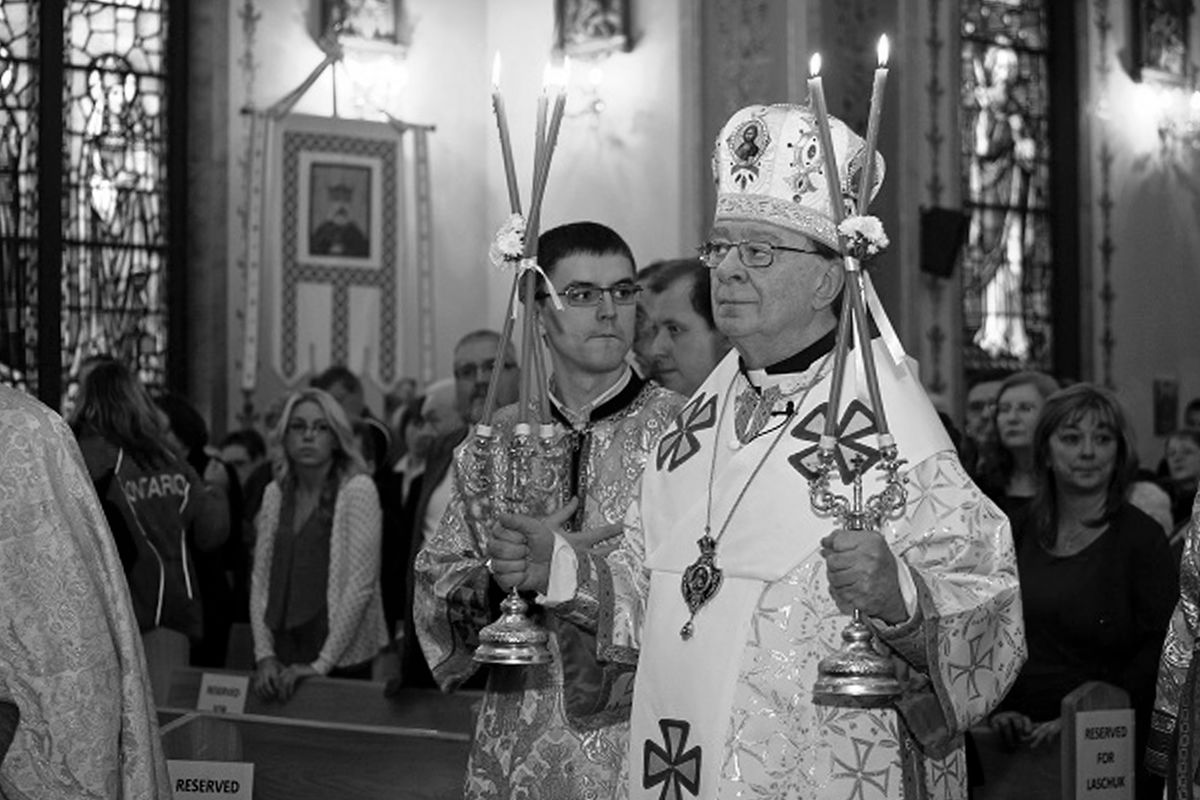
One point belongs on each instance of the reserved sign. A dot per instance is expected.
(230, 780)
(1104, 754)
(224, 693)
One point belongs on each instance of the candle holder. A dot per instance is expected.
(858, 674)
(527, 473)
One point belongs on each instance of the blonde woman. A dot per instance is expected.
(315, 606)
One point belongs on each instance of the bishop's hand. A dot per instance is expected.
(861, 570)
(520, 548)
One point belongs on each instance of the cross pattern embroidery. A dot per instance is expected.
(857, 424)
(672, 766)
(680, 443)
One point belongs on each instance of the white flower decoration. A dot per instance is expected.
(508, 247)
(865, 236)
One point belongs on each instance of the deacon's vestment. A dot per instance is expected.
(527, 742)
(729, 712)
(1173, 749)
(70, 654)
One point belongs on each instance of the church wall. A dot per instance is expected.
(1143, 263)
(623, 167)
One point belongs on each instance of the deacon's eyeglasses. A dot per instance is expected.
(752, 254)
(318, 427)
(470, 370)
(582, 295)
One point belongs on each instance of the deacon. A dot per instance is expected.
(528, 742)
(723, 704)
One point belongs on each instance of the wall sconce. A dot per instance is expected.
(588, 80)
(1178, 117)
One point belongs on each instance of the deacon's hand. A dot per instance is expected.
(861, 571)
(520, 548)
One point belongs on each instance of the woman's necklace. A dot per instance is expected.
(702, 580)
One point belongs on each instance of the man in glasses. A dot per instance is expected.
(529, 741)
(729, 587)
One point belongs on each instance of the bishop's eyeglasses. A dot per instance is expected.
(752, 254)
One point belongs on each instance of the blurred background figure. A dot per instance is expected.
(1182, 478)
(70, 655)
(224, 573)
(684, 344)
(1006, 470)
(1097, 580)
(979, 422)
(314, 600)
(158, 508)
(243, 450)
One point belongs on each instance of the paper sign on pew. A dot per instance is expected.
(1104, 754)
(200, 780)
(224, 693)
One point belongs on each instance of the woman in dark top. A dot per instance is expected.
(1006, 472)
(1097, 582)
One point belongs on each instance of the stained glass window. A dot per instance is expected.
(113, 276)
(1007, 264)
(18, 194)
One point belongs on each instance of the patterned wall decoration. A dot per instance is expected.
(745, 59)
(248, 229)
(1106, 247)
(935, 94)
(851, 41)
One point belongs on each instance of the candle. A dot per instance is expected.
(539, 136)
(561, 78)
(868, 174)
(816, 94)
(510, 169)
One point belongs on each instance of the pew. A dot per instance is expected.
(1054, 772)
(333, 738)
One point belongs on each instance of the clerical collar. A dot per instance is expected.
(613, 399)
(794, 363)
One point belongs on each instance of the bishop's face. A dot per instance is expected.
(774, 311)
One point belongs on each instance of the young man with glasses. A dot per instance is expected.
(528, 740)
(729, 588)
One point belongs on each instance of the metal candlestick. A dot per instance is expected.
(858, 674)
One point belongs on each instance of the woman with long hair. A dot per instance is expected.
(315, 606)
(1006, 469)
(156, 504)
(1097, 580)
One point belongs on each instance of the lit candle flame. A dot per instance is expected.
(882, 50)
(496, 71)
(814, 65)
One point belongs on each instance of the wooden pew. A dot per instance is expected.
(334, 738)
(1048, 773)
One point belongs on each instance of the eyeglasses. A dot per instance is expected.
(318, 427)
(752, 254)
(582, 295)
(470, 370)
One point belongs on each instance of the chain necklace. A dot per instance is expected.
(702, 579)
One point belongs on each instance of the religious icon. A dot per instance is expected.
(592, 27)
(339, 210)
(367, 20)
(1161, 43)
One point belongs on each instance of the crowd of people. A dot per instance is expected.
(664, 531)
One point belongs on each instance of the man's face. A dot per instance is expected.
(590, 339)
(683, 349)
(474, 361)
(767, 309)
(350, 401)
(236, 456)
(981, 410)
